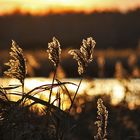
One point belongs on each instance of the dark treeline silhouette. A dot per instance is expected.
(110, 29)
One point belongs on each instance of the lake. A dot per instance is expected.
(117, 89)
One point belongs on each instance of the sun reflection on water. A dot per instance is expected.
(111, 87)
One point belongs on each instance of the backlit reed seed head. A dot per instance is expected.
(79, 57)
(102, 121)
(84, 55)
(17, 64)
(87, 49)
(54, 51)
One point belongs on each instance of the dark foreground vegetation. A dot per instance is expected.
(22, 123)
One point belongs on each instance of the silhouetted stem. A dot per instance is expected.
(75, 94)
(21, 101)
(52, 84)
(23, 87)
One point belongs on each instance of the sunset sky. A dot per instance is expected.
(60, 6)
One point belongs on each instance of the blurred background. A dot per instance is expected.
(115, 26)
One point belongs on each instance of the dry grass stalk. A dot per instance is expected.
(83, 56)
(54, 52)
(17, 64)
(102, 121)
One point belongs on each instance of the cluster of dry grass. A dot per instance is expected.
(17, 119)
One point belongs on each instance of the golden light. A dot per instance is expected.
(111, 87)
(61, 6)
(118, 94)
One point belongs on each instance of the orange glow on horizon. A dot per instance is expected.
(42, 7)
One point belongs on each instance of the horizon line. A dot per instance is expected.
(51, 12)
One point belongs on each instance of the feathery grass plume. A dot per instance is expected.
(79, 57)
(54, 51)
(17, 65)
(84, 55)
(102, 121)
(87, 48)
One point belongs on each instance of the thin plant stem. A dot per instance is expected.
(23, 87)
(23, 98)
(52, 84)
(22, 93)
(76, 93)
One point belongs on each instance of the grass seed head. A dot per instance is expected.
(102, 121)
(54, 51)
(17, 64)
(78, 56)
(87, 49)
(84, 55)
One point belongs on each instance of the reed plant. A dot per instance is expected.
(57, 122)
(54, 52)
(83, 56)
(102, 121)
(17, 64)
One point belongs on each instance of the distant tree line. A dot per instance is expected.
(110, 29)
